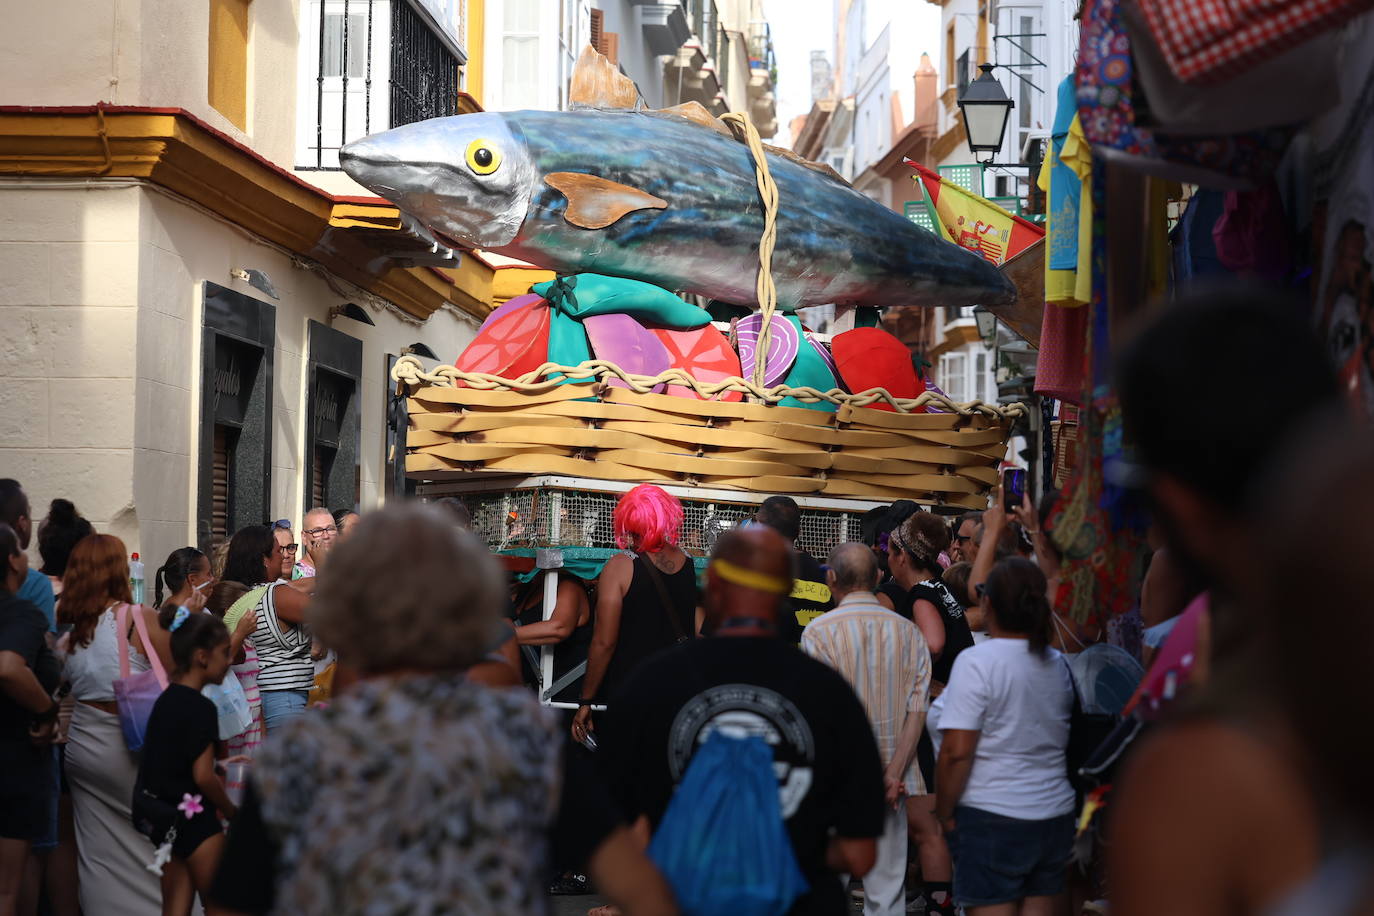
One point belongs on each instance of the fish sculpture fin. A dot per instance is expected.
(697, 114)
(694, 112)
(595, 202)
(597, 83)
(814, 166)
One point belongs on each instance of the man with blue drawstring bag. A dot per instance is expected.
(753, 766)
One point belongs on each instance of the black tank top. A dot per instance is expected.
(645, 627)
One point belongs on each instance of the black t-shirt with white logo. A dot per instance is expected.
(829, 772)
(958, 636)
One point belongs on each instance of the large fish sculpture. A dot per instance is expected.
(667, 197)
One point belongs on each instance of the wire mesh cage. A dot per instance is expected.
(546, 516)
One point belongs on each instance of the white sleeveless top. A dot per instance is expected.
(93, 668)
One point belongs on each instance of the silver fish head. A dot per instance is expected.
(468, 176)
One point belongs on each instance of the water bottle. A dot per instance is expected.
(136, 578)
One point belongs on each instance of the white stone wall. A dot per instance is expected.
(151, 52)
(102, 345)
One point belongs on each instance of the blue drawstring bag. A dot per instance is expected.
(722, 844)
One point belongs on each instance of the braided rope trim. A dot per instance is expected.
(409, 371)
(764, 288)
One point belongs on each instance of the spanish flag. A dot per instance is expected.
(974, 222)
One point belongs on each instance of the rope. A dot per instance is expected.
(764, 287)
(409, 371)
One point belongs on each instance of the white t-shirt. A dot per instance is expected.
(1020, 703)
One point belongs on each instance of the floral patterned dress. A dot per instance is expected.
(420, 794)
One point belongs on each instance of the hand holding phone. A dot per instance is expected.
(1013, 488)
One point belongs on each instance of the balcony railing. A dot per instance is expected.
(761, 49)
(374, 68)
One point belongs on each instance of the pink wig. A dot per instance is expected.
(647, 519)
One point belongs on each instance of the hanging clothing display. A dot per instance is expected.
(1107, 105)
(1068, 280)
(1206, 41)
(1344, 221)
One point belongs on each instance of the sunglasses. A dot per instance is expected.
(284, 523)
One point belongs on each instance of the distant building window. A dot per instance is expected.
(954, 376)
(520, 54)
(337, 31)
(366, 65)
(235, 453)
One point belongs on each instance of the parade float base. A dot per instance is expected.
(593, 430)
(565, 522)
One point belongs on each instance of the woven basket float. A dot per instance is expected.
(590, 429)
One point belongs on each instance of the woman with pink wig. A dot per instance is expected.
(646, 599)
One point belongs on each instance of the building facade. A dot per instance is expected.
(186, 269)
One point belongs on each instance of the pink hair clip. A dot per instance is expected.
(190, 805)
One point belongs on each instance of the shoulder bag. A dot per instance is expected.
(135, 694)
(667, 604)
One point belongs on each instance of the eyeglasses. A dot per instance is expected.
(320, 532)
(289, 548)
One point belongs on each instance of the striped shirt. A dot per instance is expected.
(884, 658)
(283, 649)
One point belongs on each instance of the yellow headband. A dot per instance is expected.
(748, 578)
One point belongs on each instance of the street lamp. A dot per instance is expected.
(987, 326)
(986, 108)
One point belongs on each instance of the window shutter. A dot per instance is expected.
(219, 487)
(597, 35)
(611, 47)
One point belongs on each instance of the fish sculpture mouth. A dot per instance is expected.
(467, 177)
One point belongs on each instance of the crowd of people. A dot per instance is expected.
(913, 696)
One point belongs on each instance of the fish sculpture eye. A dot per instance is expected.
(482, 159)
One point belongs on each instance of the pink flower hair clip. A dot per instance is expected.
(190, 805)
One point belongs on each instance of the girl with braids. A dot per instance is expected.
(178, 791)
(1004, 794)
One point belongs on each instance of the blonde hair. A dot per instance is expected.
(408, 589)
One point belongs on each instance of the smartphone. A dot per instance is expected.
(1013, 488)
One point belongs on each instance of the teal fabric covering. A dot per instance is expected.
(567, 340)
(580, 295)
(809, 371)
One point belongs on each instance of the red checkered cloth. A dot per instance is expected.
(1208, 41)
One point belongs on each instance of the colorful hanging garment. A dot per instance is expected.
(1094, 526)
(1107, 105)
(1207, 41)
(1063, 189)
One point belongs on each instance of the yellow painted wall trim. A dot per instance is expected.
(477, 51)
(178, 151)
(227, 79)
(509, 282)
